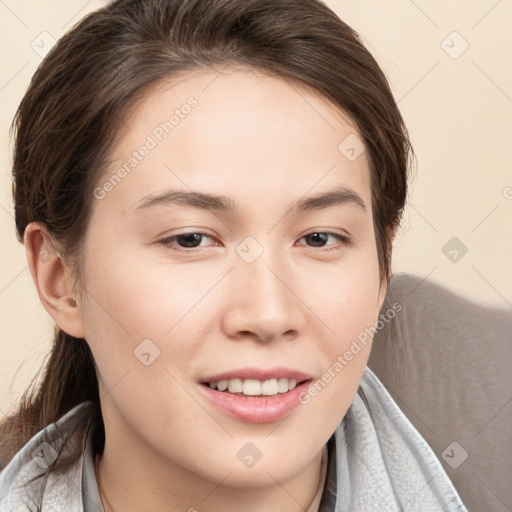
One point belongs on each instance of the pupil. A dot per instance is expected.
(318, 237)
(190, 239)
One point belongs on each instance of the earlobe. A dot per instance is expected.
(52, 279)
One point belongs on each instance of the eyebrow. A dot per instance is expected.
(337, 196)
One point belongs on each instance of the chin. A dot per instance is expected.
(255, 478)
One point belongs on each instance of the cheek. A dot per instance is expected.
(136, 322)
(139, 313)
(344, 295)
(136, 295)
(346, 301)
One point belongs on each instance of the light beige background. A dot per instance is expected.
(458, 111)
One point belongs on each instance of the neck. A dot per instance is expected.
(117, 493)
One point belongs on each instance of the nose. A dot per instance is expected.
(262, 302)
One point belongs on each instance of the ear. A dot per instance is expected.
(52, 279)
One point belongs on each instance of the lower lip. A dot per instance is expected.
(255, 409)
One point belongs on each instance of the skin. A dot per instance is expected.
(264, 142)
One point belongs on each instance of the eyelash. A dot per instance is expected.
(166, 242)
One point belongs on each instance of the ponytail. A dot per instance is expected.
(69, 378)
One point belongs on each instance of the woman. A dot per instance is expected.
(207, 193)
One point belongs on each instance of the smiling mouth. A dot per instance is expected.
(253, 388)
(255, 401)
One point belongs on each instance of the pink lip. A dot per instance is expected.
(256, 409)
(258, 374)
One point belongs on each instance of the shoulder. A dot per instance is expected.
(28, 474)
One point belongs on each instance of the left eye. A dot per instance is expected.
(193, 240)
(319, 237)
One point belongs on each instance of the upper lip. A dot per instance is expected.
(258, 374)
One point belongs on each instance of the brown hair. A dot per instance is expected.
(68, 118)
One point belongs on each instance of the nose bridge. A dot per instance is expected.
(262, 301)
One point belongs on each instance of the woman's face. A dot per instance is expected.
(270, 290)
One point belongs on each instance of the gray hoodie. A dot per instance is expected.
(377, 461)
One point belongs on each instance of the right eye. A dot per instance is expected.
(184, 241)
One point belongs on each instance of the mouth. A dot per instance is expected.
(255, 396)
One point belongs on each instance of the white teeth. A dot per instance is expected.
(269, 387)
(235, 386)
(222, 385)
(282, 385)
(253, 387)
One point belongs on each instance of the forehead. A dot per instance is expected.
(237, 132)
